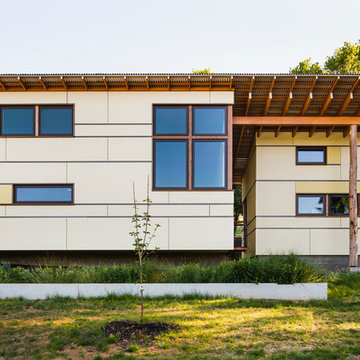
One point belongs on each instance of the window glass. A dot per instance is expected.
(339, 205)
(45, 194)
(311, 156)
(209, 120)
(311, 205)
(56, 121)
(209, 164)
(171, 120)
(170, 164)
(17, 121)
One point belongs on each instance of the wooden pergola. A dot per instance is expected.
(263, 103)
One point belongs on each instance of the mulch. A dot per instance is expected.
(126, 331)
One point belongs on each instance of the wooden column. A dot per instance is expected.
(353, 220)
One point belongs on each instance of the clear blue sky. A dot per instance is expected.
(42, 36)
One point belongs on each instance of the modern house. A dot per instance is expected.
(71, 147)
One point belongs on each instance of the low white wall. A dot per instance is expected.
(301, 291)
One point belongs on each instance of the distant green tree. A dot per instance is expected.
(306, 67)
(345, 60)
(238, 206)
(205, 71)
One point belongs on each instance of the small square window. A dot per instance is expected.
(310, 155)
(171, 120)
(18, 121)
(209, 120)
(310, 204)
(338, 205)
(56, 120)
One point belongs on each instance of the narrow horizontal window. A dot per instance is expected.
(18, 121)
(311, 204)
(56, 120)
(171, 120)
(338, 205)
(43, 194)
(310, 155)
(209, 164)
(209, 120)
(170, 164)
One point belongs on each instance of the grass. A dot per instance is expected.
(211, 328)
(279, 269)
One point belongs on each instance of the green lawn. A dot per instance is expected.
(210, 328)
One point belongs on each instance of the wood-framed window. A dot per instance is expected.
(311, 155)
(323, 205)
(192, 147)
(43, 194)
(310, 205)
(36, 120)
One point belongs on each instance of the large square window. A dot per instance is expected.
(310, 155)
(171, 120)
(56, 120)
(311, 204)
(209, 164)
(170, 164)
(43, 194)
(209, 120)
(17, 121)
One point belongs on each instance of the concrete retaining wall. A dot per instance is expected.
(301, 291)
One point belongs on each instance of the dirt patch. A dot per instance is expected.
(125, 331)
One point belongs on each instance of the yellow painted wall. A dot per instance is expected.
(6, 194)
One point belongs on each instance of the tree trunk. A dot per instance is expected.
(353, 220)
(141, 293)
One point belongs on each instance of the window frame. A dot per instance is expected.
(190, 137)
(309, 214)
(329, 205)
(171, 107)
(193, 165)
(311, 148)
(57, 107)
(16, 202)
(209, 107)
(186, 165)
(19, 107)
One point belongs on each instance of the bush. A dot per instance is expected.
(273, 269)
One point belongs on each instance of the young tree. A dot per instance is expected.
(345, 60)
(143, 236)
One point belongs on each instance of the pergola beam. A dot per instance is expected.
(326, 103)
(42, 83)
(21, 83)
(345, 104)
(329, 131)
(296, 120)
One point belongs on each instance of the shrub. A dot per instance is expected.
(274, 269)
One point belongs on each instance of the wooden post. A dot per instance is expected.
(353, 220)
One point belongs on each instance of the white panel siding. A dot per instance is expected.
(33, 98)
(90, 107)
(221, 210)
(130, 149)
(201, 233)
(161, 210)
(114, 130)
(109, 234)
(56, 149)
(33, 173)
(33, 234)
(188, 197)
(111, 182)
